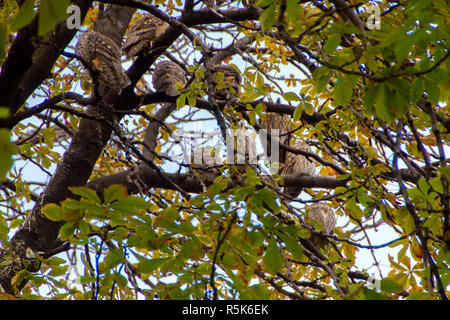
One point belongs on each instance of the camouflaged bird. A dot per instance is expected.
(142, 33)
(165, 77)
(103, 57)
(298, 164)
(231, 84)
(276, 123)
(324, 215)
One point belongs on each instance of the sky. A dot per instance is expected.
(364, 258)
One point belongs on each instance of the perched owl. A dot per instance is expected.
(275, 121)
(103, 57)
(166, 76)
(323, 214)
(142, 33)
(298, 164)
(231, 83)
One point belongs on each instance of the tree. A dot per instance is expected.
(364, 85)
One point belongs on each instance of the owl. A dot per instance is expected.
(166, 76)
(103, 57)
(231, 83)
(142, 33)
(275, 121)
(298, 164)
(324, 215)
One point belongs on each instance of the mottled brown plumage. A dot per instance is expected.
(142, 33)
(298, 164)
(230, 86)
(166, 76)
(276, 124)
(324, 215)
(103, 57)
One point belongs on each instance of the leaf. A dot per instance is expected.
(292, 245)
(263, 4)
(391, 286)
(115, 192)
(51, 12)
(273, 259)
(7, 149)
(291, 96)
(3, 39)
(384, 104)
(87, 193)
(402, 47)
(53, 212)
(216, 188)
(24, 16)
(130, 205)
(332, 43)
(114, 257)
(298, 112)
(181, 101)
(269, 199)
(343, 90)
(370, 294)
(67, 231)
(268, 17)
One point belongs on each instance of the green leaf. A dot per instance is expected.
(67, 231)
(373, 295)
(263, 4)
(192, 249)
(298, 112)
(51, 12)
(384, 104)
(391, 286)
(343, 90)
(86, 192)
(293, 246)
(24, 16)
(7, 149)
(332, 43)
(293, 10)
(192, 98)
(53, 212)
(115, 192)
(269, 199)
(273, 259)
(268, 17)
(216, 188)
(403, 47)
(114, 257)
(291, 96)
(423, 185)
(417, 90)
(3, 40)
(181, 101)
(130, 205)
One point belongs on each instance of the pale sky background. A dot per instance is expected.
(364, 259)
